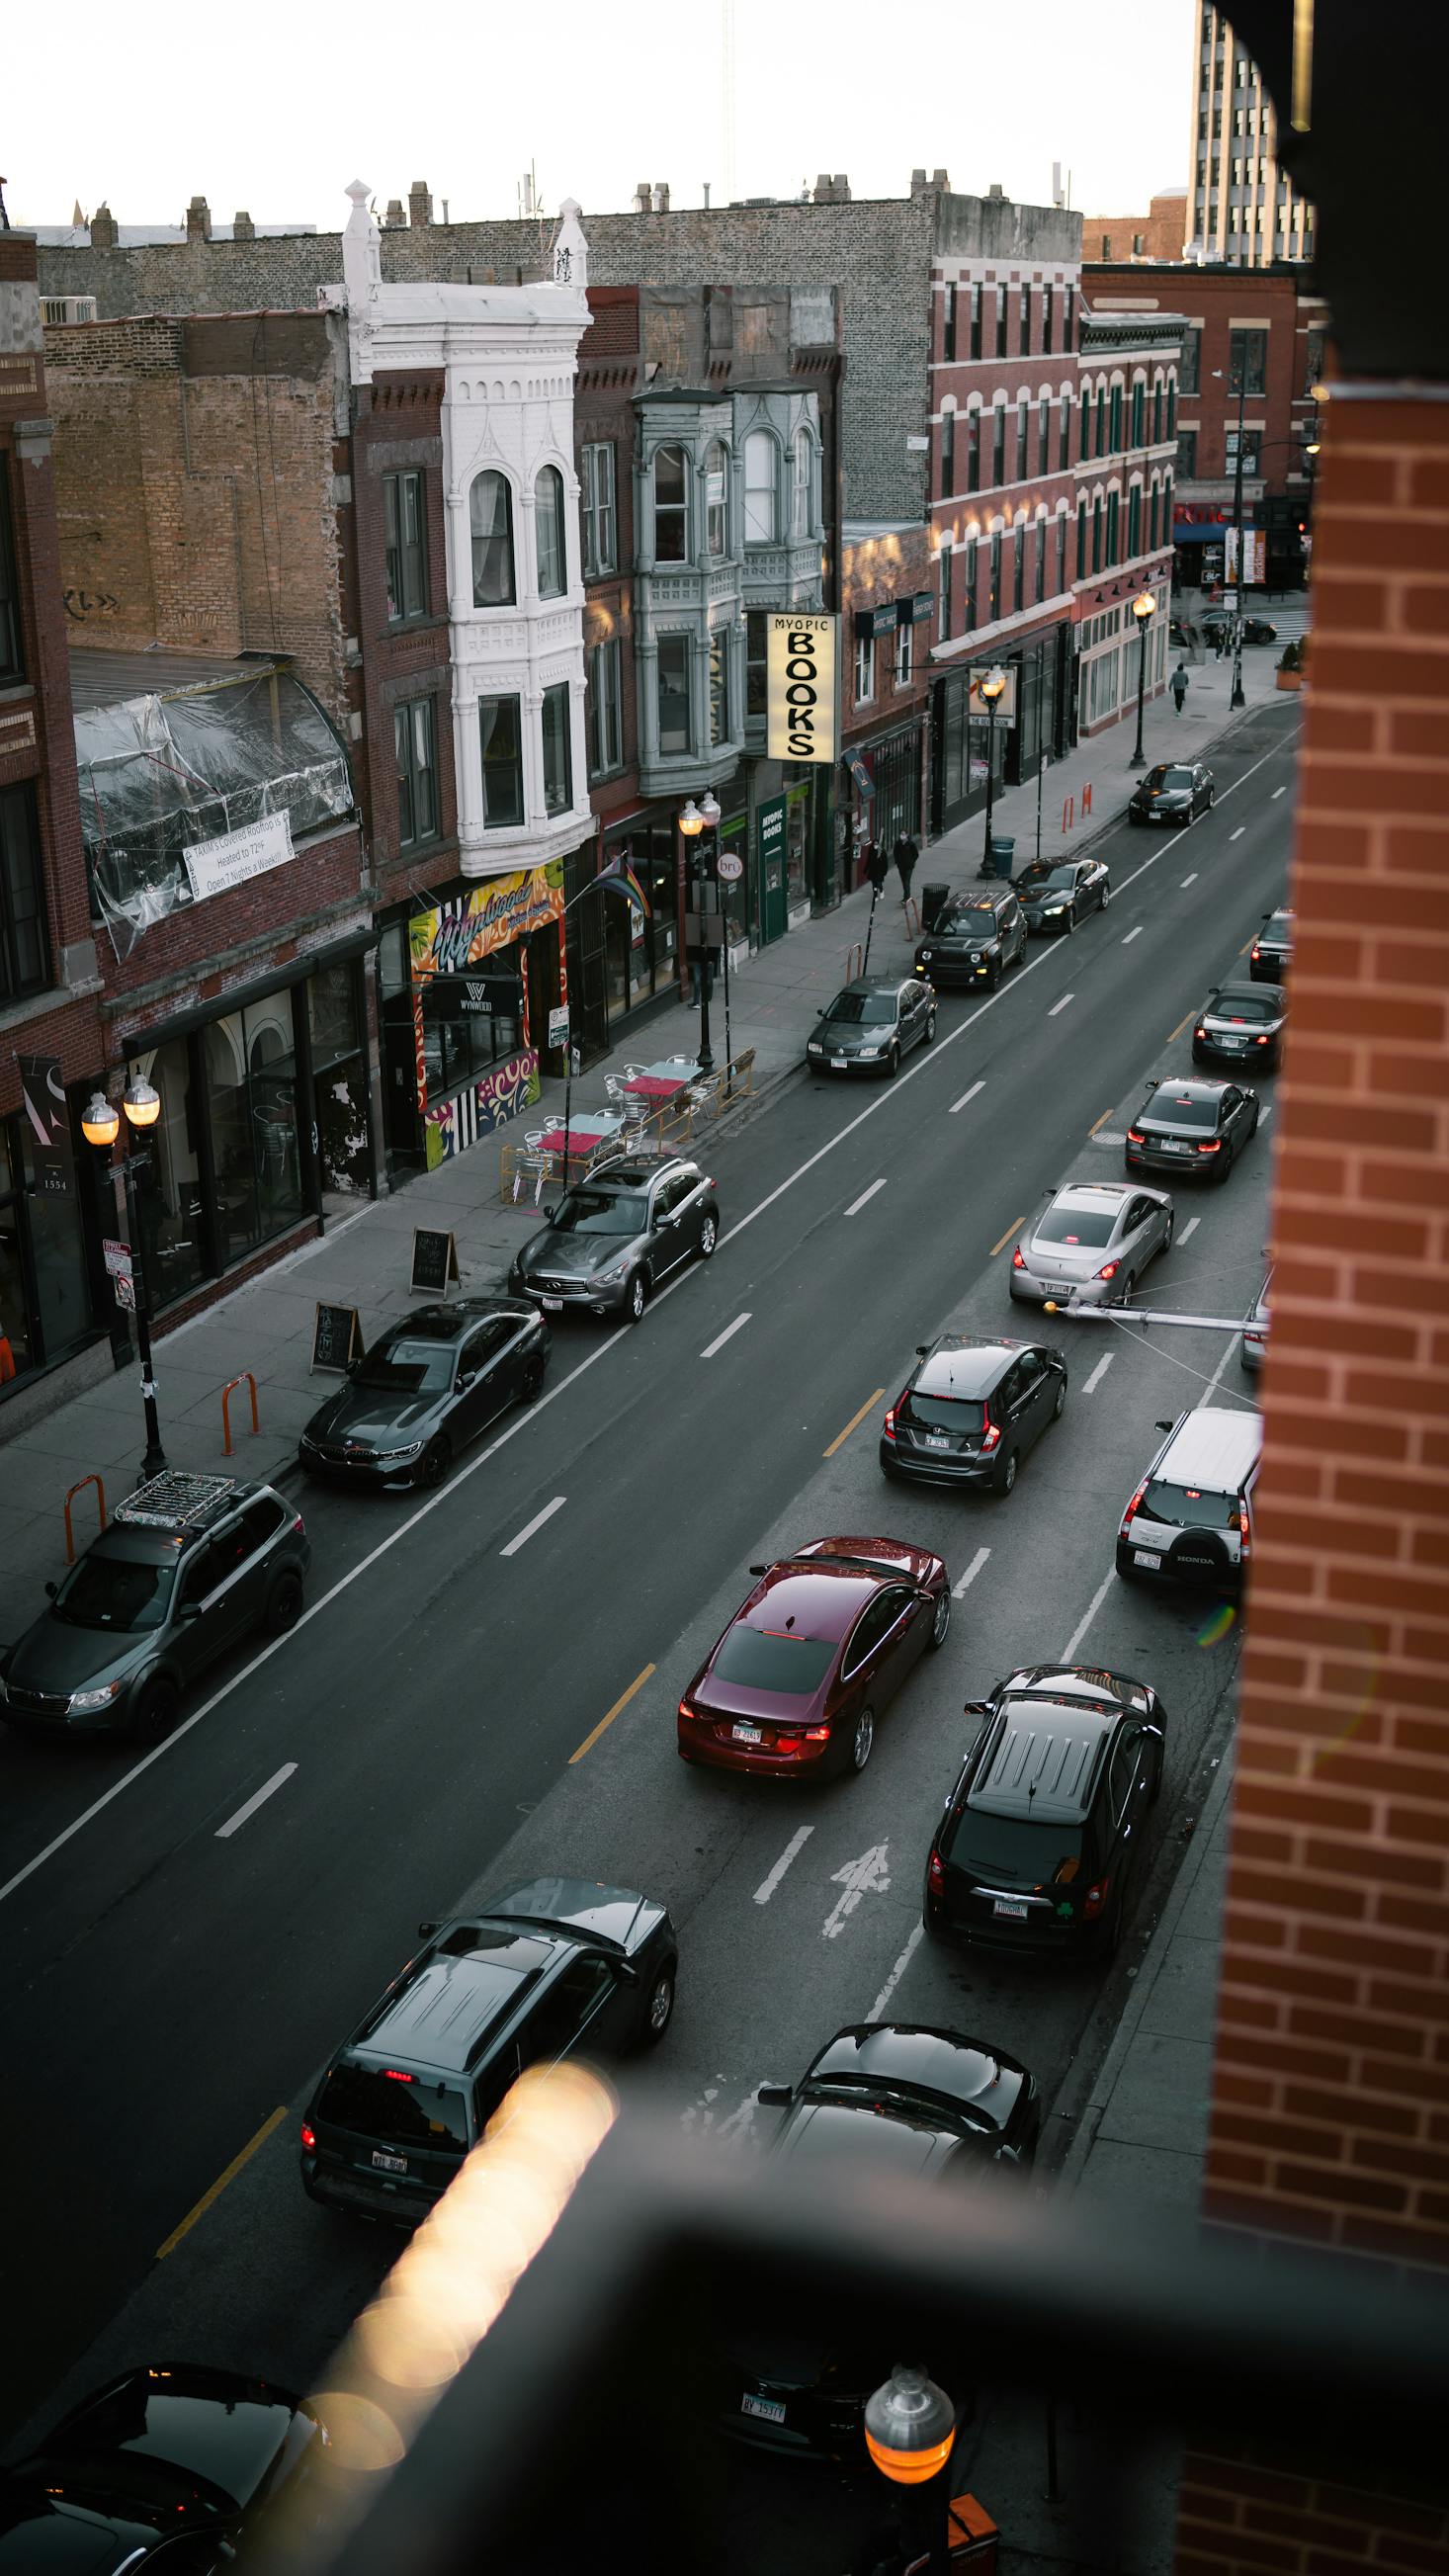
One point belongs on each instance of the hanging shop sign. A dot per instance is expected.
(43, 1107)
(214, 867)
(918, 608)
(801, 689)
(493, 915)
(467, 997)
(882, 619)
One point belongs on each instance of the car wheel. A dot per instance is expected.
(940, 1625)
(533, 1380)
(862, 1740)
(436, 1460)
(1106, 896)
(1220, 1176)
(284, 1608)
(637, 1298)
(893, 1064)
(659, 2007)
(1212, 792)
(1155, 1792)
(931, 1024)
(1124, 1293)
(158, 1712)
(708, 1237)
(1060, 1406)
(1171, 1229)
(1069, 925)
(993, 980)
(1115, 1925)
(1006, 1474)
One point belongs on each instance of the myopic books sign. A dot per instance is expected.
(214, 867)
(800, 684)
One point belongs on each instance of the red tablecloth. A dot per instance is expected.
(657, 1087)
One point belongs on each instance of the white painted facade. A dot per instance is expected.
(509, 357)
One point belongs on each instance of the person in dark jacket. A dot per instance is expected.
(1179, 686)
(877, 866)
(905, 855)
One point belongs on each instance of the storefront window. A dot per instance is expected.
(57, 1258)
(16, 1354)
(169, 1196)
(251, 1087)
(756, 661)
(797, 834)
(339, 1077)
(660, 886)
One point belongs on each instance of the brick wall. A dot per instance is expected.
(398, 429)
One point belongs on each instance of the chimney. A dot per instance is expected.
(392, 221)
(941, 179)
(918, 181)
(661, 196)
(840, 188)
(104, 235)
(198, 220)
(242, 227)
(996, 190)
(420, 204)
(822, 188)
(643, 198)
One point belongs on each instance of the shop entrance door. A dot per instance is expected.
(774, 891)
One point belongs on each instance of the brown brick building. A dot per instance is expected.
(888, 605)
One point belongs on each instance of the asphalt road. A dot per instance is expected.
(168, 1991)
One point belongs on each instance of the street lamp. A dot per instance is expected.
(710, 809)
(691, 824)
(990, 689)
(100, 1127)
(910, 2427)
(1144, 609)
(1237, 698)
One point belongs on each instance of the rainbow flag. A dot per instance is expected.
(621, 879)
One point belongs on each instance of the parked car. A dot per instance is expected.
(1253, 1348)
(1040, 1838)
(974, 939)
(617, 1236)
(971, 1409)
(188, 1566)
(1192, 1127)
(871, 1024)
(1056, 895)
(1092, 1242)
(927, 2104)
(813, 1658)
(429, 1385)
(178, 2466)
(1191, 1519)
(1176, 791)
(556, 1968)
(1256, 630)
(1271, 954)
(1242, 1023)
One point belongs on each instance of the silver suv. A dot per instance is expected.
(1191, 1518)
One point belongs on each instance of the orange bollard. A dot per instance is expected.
(1087, 798)
(1069, 814)
(70, 1498)
(228, 1391)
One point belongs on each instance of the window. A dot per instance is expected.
(1001, 321)
(1113, 514)
(671, 505)
(1062, 551)
(761, 485)
(1139, 414)
(1025, 320)
(1047, 300)
(1039, 590)
(1250, 450)
(674, 728)
(1134, 519)
(905, 643)
(1023, 433)
(865, 668)
(1154, 513)
(948, 324)
(12, 665)
(1097, 533)
(1157, 411)
(1069, 317)
(601, 543)
(802, 485)
(1084, 444)
(407, 560)
(502, 741)
(1082, 540)
(250, 1070)
(970, 583)
(943, 606)
(948, 454)
(1114, 422)
(1166, 503)
(1314, 339)
(1248, 361)
(602, 716)
(1100, 426)
(998, 445)
(1171, 406)
(558, 765)
(973, 451)
(719, 686)
(716, 499)
(1187, 452)
(993, 606)
(1018, 570)
(24, 939)
(1064, 437)
(548, 528)
(756, 661)
(1043, 435)
(490, 520)
(417, 772)
(975, 321)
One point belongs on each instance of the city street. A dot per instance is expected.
(484, 1684)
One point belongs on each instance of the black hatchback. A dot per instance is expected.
(431, 1383)
(1041, 1835)
(973, 939)
(971, 1409)
(1194, 1128)
(871, 1024)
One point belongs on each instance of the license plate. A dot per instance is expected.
(1014, 1908)
(838, 1063)
(747, 1734)
(389, 2164)
(1169, 1145)
(1146, 1556)
(937, 1440)
(771, 2408)
(554, 1304)
(1232, 1046)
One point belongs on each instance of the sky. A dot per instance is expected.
(276, 107)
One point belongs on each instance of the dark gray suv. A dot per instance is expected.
(188, 1566)
(618, 1235)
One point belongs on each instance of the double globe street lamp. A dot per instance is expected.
(990, 691)
(1144, 609)
(100, 1126)
(910, 2431)
(704, 817)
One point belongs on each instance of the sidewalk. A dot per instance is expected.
(365, 1260)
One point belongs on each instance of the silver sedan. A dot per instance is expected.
(1253, 1349)
(1092, 1241)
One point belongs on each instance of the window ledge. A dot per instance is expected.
(15, 688)
(34, 1006)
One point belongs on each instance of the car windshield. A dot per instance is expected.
(1053, 881)
(407, 1367)
(1014, 1847)
(1242, 1006)
(401, 2110)
(115, 1593)
(970, 921)
(1172, 776)
(601, 1212)
(1180, 1109)
(758, 1660)
(943, 1412)
(1279, 928)
(1086, 1228)
(1189, 1507)
(874, 1009)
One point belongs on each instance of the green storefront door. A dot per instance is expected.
(770, 846)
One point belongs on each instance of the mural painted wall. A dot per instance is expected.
(458, 935)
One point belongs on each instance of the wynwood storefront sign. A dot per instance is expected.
(801, 697)
(446, 943)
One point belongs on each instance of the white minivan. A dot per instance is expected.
(1191, 1518)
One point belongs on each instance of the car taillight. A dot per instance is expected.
(1133, 1508)
(1095, 1898)
(1214, 1145)
(1134, 1136)
(991, 1436)
(888, 1427)
(1256, 955)
(309, 2137)
(685, 1710)
(298, 1526)
(817, 1735)
(1199, 1033)
(1018, 1259)
(1260, 1041)
(935, 1873)
(1111, 1270)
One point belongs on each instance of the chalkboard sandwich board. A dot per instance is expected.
(336, 1338)
(435, 1262)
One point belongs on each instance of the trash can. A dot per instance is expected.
(934, 899)
(1003, 851)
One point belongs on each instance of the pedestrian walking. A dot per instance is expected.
(905, 855)
(1179, 686)
(1220, 642)
(877, 866)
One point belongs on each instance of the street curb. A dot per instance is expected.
(1089, 2118)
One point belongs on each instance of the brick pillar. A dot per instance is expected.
(420, 204)
(242, 227)
(104, 235)
(198, 220)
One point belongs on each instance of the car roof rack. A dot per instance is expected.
(177, 1501)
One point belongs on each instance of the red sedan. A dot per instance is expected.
(812, 1660)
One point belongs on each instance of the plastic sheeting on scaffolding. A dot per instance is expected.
(164, 776)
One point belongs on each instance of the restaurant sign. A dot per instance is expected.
(491, 916)
(233, 858)
(803, 723)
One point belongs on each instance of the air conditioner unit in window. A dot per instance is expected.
(68, 308)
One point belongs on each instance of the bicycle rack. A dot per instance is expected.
(228, 1391)
(70, 1498)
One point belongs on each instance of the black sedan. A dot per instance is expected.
(1192, 1128)
(871, 1024)
(926, 2104)
(180, 2465)
(1271, 953)
(1057, 894)
(973, 939)
(616, 1237)
(1176, 792)
(1256, 630)
(1242, 1024)
(430, 1384)
(970, 1410)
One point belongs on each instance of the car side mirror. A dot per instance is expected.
(626, 1971)
(426, 1931)
(464, 1378)
(775, 2097)
(189, 1610)
(549, 1215)
(923, 1350)
(759, 1569)
(52, 1591)
(1155, 1732)
(924, 1593)
(1164, 1426)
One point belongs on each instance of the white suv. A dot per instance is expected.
(1191, 1518)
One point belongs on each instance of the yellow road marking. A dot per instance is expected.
(1182, 1023)
(855, 1421)
(1102, 1121)
(1018, 1222)
(1247, 944)
(608, 1719)
(220, 2184)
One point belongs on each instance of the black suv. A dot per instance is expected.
(971, 1409)
(616, 1236)
(871, 1024)
(973, 939)
(1040, 1837)
(558, 1966)
(187, 1567)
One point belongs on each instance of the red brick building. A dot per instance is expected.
(888, 606)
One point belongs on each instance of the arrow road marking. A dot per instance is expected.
(867, 1876)
(792, 1851)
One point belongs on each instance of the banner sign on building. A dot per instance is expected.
(801, 689)
(214, 867)
(1254, 554)
(43, 1107)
